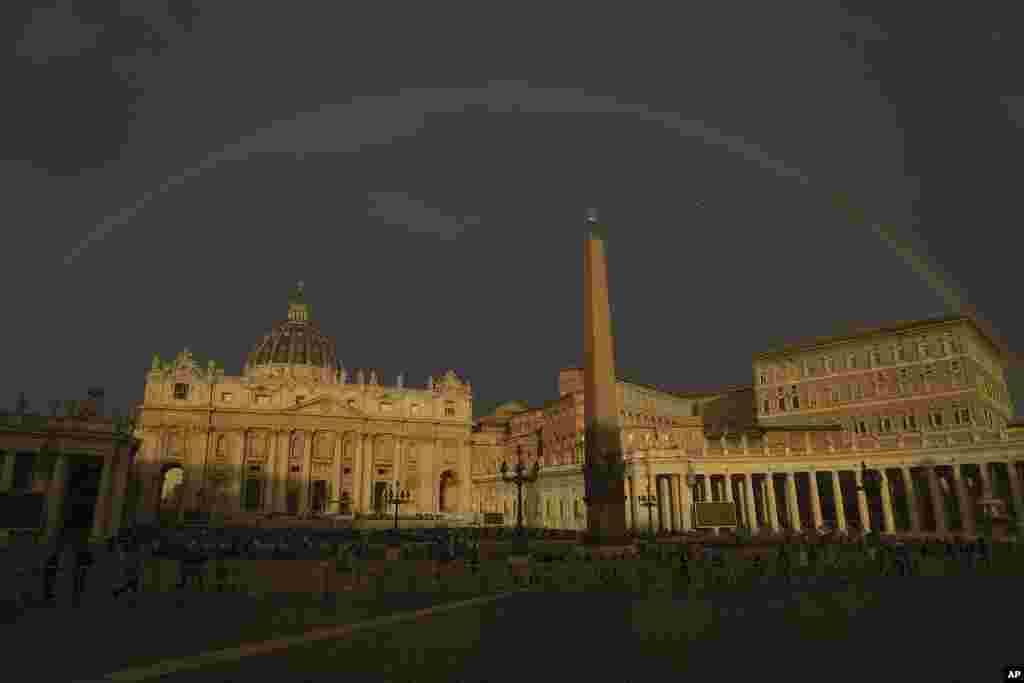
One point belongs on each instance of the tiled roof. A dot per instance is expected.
(855, 330)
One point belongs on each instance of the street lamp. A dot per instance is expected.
(395, 496)
(521, 475)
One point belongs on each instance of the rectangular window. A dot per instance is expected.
(858, 391)
(782, 403)
(899, 354)
(935, 418)
(885, 425)
(226, 397)
(851, 361)
(449, 410)
(827, 364)
(835, 394)
(262, 399)
(954, 366)
(876, 358)
(764, 378)
(904, 374)
(962, 416)
(945, 347)
(299, 399)
(180, 391)
(811, 403)
(766, 408)
(796, 402)
(910, 423)
(922, 350)
(861, 427)
(778, 392)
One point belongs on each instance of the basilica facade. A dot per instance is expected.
(295, 436)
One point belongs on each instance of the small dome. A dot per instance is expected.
(296, 341)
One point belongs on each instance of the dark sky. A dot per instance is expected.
(171, 171)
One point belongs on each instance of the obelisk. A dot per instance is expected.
(603, 469)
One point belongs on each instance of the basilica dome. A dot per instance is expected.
(295, 344)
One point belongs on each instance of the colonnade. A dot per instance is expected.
(904, 496)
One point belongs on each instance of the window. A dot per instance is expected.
(988, 417)
(904, 374)
(954, 366)
(766, 407)
(262, 399)
(885, 425)
(796, 402)
(847, 392)
(449, 410)
(826, 362)
(351, 403)
(858, 391)
(299, 399)
(180, 391)
(811, 403)
(945, 347)
(935, 418)
(860, 426)
(296, 468)
(778, 392)
(929, 372)
(782, 403)
(851, 361)
(807, 368)
(962, 416)
(226, 397)
(922, 350)
(835, 394)
(898, 354)
(764, 378)
(910, 423)
(876, 358)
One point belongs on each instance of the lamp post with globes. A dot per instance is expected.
(520, 475)
(393, 495)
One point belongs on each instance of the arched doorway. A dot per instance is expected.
(448, 495)
(172, 490)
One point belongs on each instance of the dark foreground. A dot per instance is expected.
(886, 629)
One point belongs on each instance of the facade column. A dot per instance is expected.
(862, 502)
(630, 520)
(369, 455)
(748, 489)
(435, 480)
(792, 504)
(306, 502)
(339, 470)
(281, 466)
(354, 441)
(816, 516)
(938, 502)
(705, 484)
(773, 509)
(1015, 492)
(55, 496)
(677, 499)
(837, 497)
(634, 506)
(466, 476)
(399, 469)
(888, 519)
(913, 511)
(963, 500)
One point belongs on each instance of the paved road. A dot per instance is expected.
(926, 631)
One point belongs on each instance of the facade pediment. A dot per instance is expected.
(326, 405)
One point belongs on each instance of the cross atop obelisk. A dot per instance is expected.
(603, 469)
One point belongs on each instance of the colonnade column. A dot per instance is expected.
(339, 470)
(837, 497)
(792, 504)
(748, 489)
(7, 471)
(101, 512)
(1015, 492)
(705, 484)
(773, 510)
(120, 491)
(963, 500)
(888, 520)
(634, 506)
(679, 498)
(281, 468)
(686, 507)
(673, 502)
(862, 502)
(912, 510)
(816, 517)
(938, 503)
(55, 496)
(307, 473)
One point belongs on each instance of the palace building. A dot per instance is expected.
(295, 436)
(921, 407)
